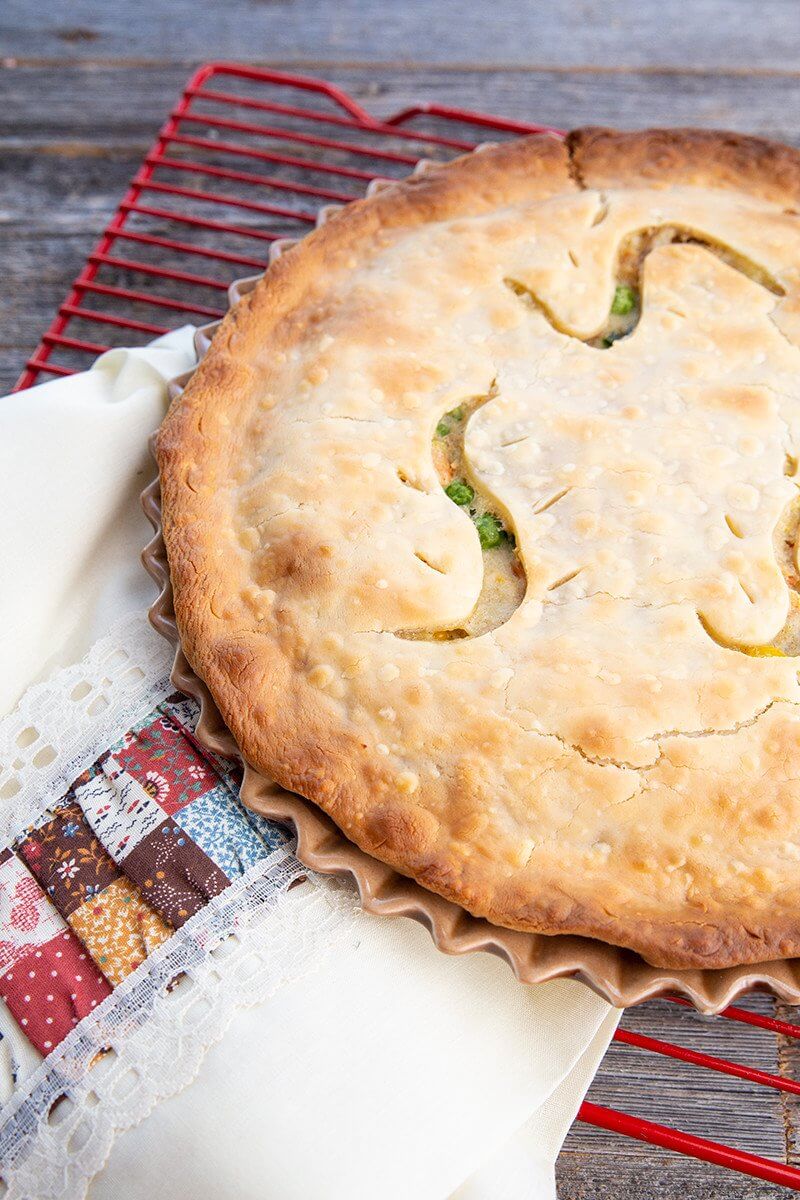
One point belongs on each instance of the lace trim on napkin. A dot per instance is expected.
(147, 1039)
(61, 725)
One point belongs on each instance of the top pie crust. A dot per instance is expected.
(618, 756)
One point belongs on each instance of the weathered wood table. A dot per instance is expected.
(85, 84)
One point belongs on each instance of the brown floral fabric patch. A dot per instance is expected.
(67, 859)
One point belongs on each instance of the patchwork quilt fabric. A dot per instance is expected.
(137, 845)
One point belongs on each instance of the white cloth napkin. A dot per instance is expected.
(73, 461)
(392, 1071)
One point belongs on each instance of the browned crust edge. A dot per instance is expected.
(607, 158)
(280, 723)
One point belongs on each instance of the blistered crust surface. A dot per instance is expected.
(620, 757)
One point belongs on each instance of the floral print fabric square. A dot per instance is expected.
(220, 826)
(119, 929)
(66, 857)
(158, 755)
(27, 918)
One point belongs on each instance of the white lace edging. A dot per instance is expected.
(57, 1130)
(61, 725)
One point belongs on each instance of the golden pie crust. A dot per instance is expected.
(619, 755)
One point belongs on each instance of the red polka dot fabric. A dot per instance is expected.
(50, 988)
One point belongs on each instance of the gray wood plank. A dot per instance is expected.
(608, 33)
(113, 107)
(653, 1175)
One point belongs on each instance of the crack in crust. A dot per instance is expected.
(666, 735)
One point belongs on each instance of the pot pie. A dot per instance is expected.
(481, 513)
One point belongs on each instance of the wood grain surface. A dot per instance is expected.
(84, 85)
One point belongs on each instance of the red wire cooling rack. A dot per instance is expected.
(248, 156)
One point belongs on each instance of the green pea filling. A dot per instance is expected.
(460, 492)
(624, 300)
(503, 586)
(490, 531)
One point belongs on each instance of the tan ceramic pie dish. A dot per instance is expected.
(619, 975)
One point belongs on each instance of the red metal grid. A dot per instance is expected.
(315, 145)
(311, 145)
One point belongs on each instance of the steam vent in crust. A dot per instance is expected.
(481, 516)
